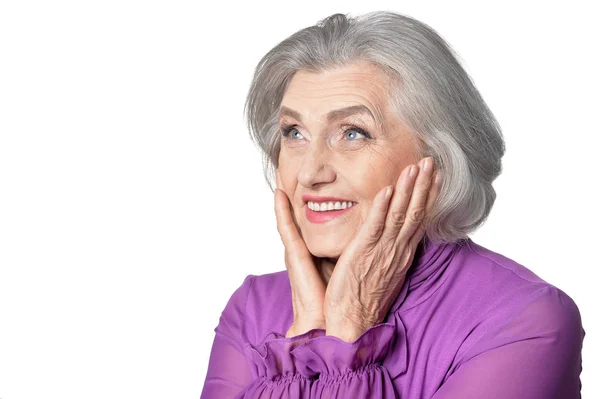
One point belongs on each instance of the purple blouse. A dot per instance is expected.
(468, 323)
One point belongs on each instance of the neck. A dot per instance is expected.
(325, 267)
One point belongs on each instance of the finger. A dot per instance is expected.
(278, 179)
(371, 230)
(434, 190)
(399, 203)
(432, 197)
(286, 227)
(418, 200)
(307, 289)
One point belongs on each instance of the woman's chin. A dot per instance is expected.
(325, 251)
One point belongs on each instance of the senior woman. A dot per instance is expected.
(384, 155)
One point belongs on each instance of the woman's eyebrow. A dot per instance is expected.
(331, 115)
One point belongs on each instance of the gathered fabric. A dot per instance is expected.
(467, 323)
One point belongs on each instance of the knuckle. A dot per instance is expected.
(417, 214)
(398, 218)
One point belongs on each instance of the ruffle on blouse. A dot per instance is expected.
(274, 357)
(316, 365)
(315, 355)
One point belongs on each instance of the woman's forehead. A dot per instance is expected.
(319, 94)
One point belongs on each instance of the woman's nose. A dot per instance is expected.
(316, 167)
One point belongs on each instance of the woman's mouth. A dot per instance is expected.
(322, 212)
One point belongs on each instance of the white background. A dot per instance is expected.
(132, 201)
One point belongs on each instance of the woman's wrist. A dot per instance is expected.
(301, 328)
(345, 330)
(346, 323)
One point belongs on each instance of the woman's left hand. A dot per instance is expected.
(369, 274)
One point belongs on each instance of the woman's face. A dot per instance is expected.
(339, 139)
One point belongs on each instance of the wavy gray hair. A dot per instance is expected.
(432, 94)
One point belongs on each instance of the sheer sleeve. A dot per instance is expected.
(350, 369)
(238, 369)
(311, 365)
(535, 355)
(228, 372)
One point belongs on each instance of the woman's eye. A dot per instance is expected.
(354, 134)
(291, 132)
(350, 134)
(295, 134)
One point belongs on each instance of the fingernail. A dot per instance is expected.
(427, 164)
(388, 192)
(412, 171)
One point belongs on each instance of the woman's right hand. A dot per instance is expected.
(308, 288)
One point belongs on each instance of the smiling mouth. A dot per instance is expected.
(326, 215)
(329, 205)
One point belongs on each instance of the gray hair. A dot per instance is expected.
(432, 94)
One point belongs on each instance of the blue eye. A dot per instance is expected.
(351, 134)
(291, 132)
(296, 134)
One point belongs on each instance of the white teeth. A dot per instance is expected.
(329, 206)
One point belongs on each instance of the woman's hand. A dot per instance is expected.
(308, 288)
(370, 272)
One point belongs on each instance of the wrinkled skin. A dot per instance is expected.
(346, 273)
